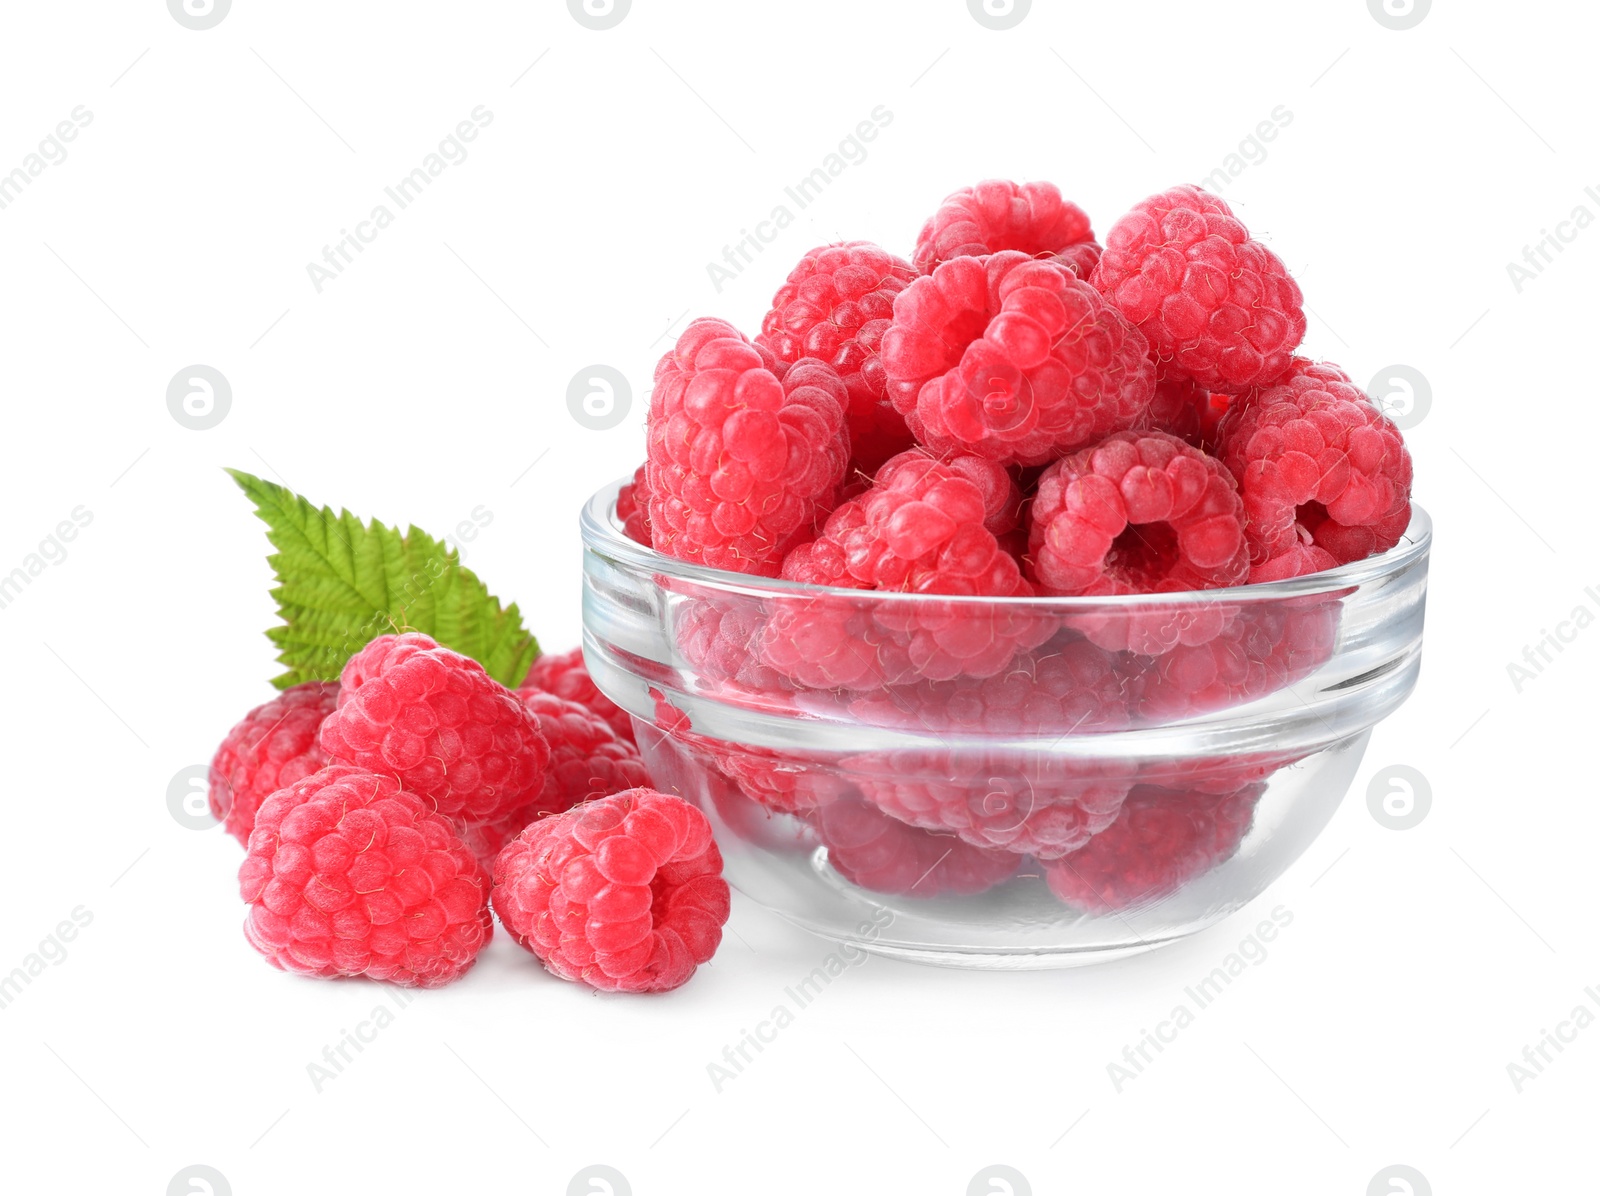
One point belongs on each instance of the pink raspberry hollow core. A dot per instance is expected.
(624, 893)
(1139, 512)
(1216, 305)
(439, 725)
(347, 874)
(275, 745)
(1324, 474)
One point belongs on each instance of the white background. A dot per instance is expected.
(430, 378)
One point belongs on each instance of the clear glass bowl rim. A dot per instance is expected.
(602, 532)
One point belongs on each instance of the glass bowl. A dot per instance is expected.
(1001, 783)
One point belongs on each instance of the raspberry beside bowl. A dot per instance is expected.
(1002, 783)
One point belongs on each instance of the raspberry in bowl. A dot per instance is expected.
(1007, 781)
(1020, 603)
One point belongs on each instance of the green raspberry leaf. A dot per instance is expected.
(342, 583)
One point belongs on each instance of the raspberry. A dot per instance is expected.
(1002, 498)
(1044, 808)
(1013, 359)
(836, 306)
(347, 874)
(565, 675)
(1216, 305)
(1318, 465)
(273, 746)
(1161, 841)
(587, 760)
(1215, 775)
(1068, 687)
(738, 469)
(624, 893)
(1139, 512)
(872, 850)
(633, 507)
(995, 215)
(440, 726)
(1186, 410)
(1263, 648)
(715, 634)
(780, 782)
(920, 529)
(1081, 259)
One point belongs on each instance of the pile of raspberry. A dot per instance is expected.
(385, 815)
(1018, 409)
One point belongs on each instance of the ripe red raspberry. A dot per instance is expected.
(836, 306)
(1160, 842)
(633, 508)
(880, 853)
(1067, 687)
(716, 634)
(1215, 775)
(1187, 410)
(1318, 464)
(274, 745)
(587, 760)
(442, 727)
(347, 874)
(624, 894)
(920, 529)
(996, 799)
(782, 782)
(1139, 512)
(1013, 359)
(1081, 259)
(1216, 305)
(1262, 648)
(738, 469)
(995, 215)
(565, 675)
(1002, 498)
